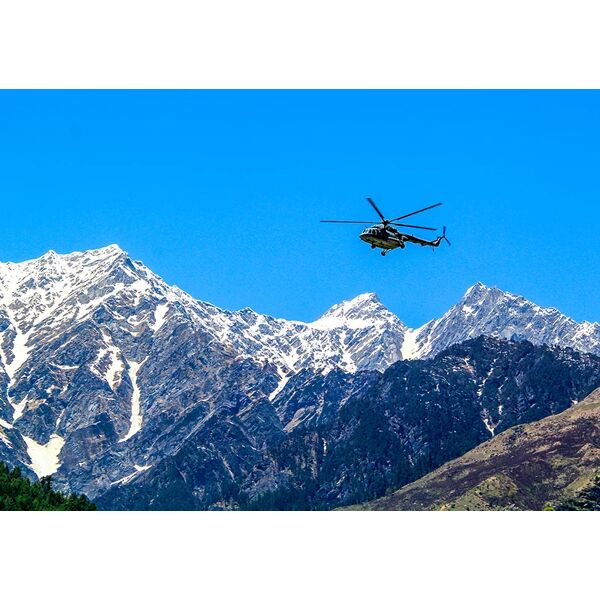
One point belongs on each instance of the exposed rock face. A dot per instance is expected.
(112, 380)
(526, 467)
(333, 439)
(418, 415)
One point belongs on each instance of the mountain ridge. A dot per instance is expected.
(105, 369)
(416, 342)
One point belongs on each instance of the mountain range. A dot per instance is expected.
(114, 382)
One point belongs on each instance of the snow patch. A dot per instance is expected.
(5, 424)
(113, 373)
(19, 409)
(489, 426)
(159, 317)
(282, 383)
(136, 414)
(128, 478)
(3, 436)
(410, 345)
(20, 350)
(45, 458)
(4, 439)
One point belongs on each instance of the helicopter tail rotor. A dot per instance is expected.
(444, 237)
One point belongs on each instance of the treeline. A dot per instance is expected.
(18, 493)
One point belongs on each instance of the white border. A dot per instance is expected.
(288, 44)
(134, 44)
(299, 555)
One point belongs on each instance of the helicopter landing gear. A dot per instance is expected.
(372, 247)
(384, 252)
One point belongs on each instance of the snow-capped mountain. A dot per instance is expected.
(97, 352)
(490, 311)
(41, 299)
(106, 371)
(354, 335)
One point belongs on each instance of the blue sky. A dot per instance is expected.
(221, 193)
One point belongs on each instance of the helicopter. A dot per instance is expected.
(383, 234)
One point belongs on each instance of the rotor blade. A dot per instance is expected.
(358, 222)
(414, 226)
(416, 212)
(376, 209)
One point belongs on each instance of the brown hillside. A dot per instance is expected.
(520, 469)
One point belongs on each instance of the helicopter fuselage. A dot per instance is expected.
(382, 237)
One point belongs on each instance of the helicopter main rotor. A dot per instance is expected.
(385, 222)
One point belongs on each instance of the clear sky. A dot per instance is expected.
(221, 193)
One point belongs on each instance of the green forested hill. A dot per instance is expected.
(18, 493)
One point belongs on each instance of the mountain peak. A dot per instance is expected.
(105, 253)
(51, 256)
(107, 250)
(366, 299)
(484, 294)
(360, 302)
(480, 289)
(358, 312)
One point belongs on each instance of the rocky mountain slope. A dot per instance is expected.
(329, 440)
(525, 468)
(107, 372)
